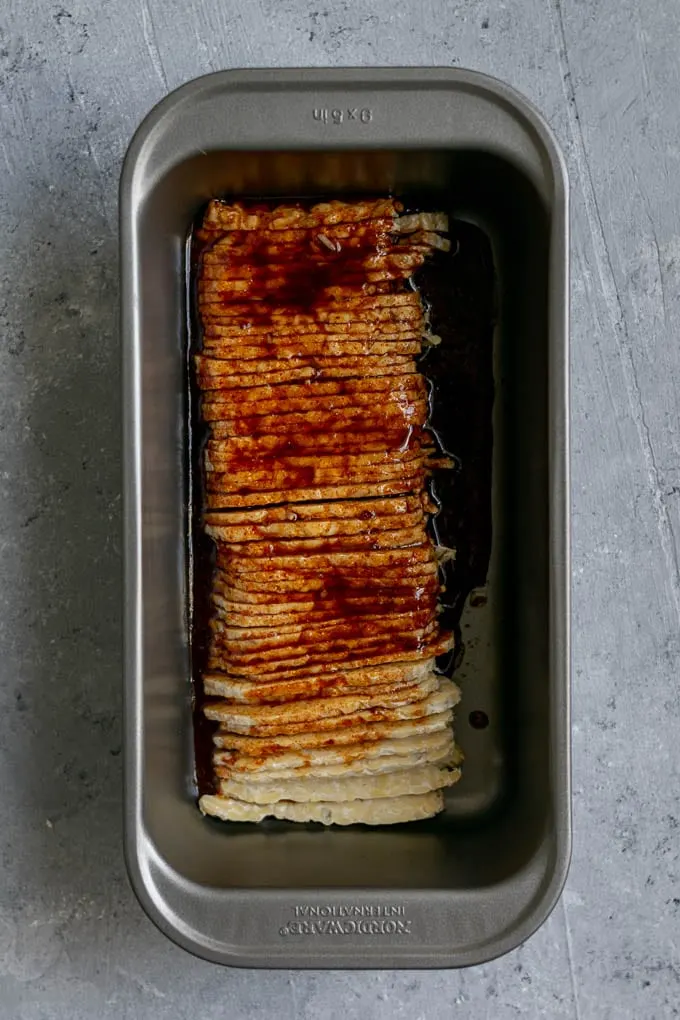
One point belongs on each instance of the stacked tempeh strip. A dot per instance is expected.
(324, 625)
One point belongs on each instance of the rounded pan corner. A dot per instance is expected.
(530, 113)
(537, 913)
(148, 126)
(138, 869)
(139, 866)
(138, 881)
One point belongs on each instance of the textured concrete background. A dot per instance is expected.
(74, 82)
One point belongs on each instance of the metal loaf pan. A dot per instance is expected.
(480, 878)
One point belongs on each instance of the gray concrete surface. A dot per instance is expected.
(75, 79)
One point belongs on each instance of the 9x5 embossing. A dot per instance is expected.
(339, 116)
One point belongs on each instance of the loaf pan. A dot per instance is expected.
(479, 879)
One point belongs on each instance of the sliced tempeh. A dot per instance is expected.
(224, 501)
(379, 739)
(259, 547)
(324, 625)
(396, 436)
(303, 633)
(257, 692)
(418, 780)
(383, 811)
(249, 331)
(239, 217)
(270, 652)
(421, 221)
(369, 560)
(224, 359)
(378, 367)
(236, 717)
(367, 509)
(220, 661)
(270, 478)
(238, 615)
(343, 644)
(412, 383)
(314, 529)
(238, 281)
(293, 242)
(283, 723)
(389, 417)
(367, 676)
(399, 368)
(358, 760)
